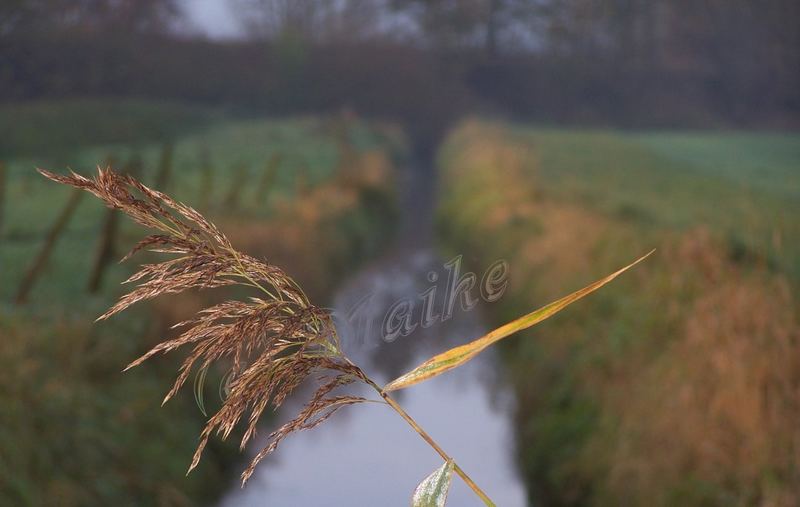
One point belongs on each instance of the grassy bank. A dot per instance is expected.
(241, 169)
(313, 195)
(677, 384)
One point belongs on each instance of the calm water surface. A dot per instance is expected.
(366, 455)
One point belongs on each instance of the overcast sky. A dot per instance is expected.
(212, 17)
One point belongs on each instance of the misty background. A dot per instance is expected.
(358, 145)
(606, 62)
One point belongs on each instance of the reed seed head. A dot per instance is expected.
(272, 343)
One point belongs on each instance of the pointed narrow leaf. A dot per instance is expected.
(199, 385)
(459, 355)
(432, 492)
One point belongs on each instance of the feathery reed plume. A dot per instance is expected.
(274, 342)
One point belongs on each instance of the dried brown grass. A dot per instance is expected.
(688, 393)
(490, 184)
(721, 404)
(272, 343)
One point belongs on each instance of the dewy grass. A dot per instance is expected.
(275, 341)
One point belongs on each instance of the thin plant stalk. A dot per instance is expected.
(430, 441)
(422, 433)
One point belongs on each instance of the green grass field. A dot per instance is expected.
(673, 385)
(77, 430)
(745, 186)
(764, 161)
(208, 163)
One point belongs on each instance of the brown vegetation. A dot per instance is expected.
(687, 393)
(273, 343)
(720, 404)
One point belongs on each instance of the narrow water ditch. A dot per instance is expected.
(367, 455)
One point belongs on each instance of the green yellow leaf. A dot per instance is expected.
(459, 355)
(432, 491)
(199, 386)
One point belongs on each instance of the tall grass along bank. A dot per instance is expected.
(678, 385)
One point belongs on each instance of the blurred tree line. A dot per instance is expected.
(623, 62)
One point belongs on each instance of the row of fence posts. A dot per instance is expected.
(107, 244)
(106, 250)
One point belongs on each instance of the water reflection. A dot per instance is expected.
(367, 455)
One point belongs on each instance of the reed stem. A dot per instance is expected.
(422, 433)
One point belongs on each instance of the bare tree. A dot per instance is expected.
(489, 24)
(312, 20)
(17, 16)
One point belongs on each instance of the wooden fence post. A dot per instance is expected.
(206, 182)
(268, 178)
(105, 250)
(164, 173)
(231, 201)
(2, 194)
(302, 181)
(106, 247)
(50, 241)
(344, 144)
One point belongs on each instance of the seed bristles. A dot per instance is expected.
(273, 343)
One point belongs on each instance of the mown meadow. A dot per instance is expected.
(678, 383)
(313, 194)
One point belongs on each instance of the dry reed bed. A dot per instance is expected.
(679, 384)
